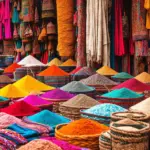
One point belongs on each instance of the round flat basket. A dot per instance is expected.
(100, 119)
(86, 141)
(136, 116)
(126, 103)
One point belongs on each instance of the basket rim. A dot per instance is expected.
(54, 100)
(93, 115)
(144, 115)
(141, 131)
(73, 136)
(142, 97)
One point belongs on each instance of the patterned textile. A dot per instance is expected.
(119, 43)
(7, 144)
(81, 41)
(97, 34)
(141, 48)
(13, 136)
(25, 132)
(139, 31)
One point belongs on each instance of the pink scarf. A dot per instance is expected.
(1, 18)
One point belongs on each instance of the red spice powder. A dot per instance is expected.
(11, 68)
(133, 85)
(53, 71)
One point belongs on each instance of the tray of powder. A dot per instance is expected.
(100, 82)
(102, 113)
(82, 73)
(106, 71)
(72, 107)
(76, 87)
(5, 80)
(57, 96)
(55, 76)
(121, 77)
(68, 65)
(82, 132)
(123, 97)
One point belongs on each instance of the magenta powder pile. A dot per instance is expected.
(64, 145)
(36, 100)
(57, 94)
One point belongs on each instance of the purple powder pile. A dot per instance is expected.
(64, 145)
(36, 100)
(57, 94)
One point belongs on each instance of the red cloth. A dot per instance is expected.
(133, 85)
(75, 70)
(20, 109)
(119, 42)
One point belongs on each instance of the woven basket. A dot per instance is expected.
(70, 112)
(130, 140)
(56, 103)
(100, 119)
(67, 68)
(104, 142)
(78, 77)
(126, 103)
(57, 81)
(86, 141)
(20, 73)
(136, 116)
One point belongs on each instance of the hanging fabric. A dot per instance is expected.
(119, 43)
(1, 18)
(7, 23)
(81, 37)
(66, 34)
(139, 31)
(97, 34)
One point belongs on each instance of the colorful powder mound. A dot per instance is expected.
(57, 94)
(20, 109)
(106, 71)
(80, 101)
(104, 109)
(30, 84)
(35, 100)
(98, 79)
(76, 86)
(133, 85)
(5, 79)
(122, 75)
(55, 61)
(143, 106)
(30, 61)
(83, 127)
(69, 62)
(75, 70)
(64, 145)
(2, 99)
(53, 71)
(12, 68)
(40, 144)
(48, 118)
(122, 93)
(85, 71)
(143, 77)
(11, 91)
